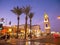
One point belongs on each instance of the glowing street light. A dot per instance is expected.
(58, 17)
(10, 30)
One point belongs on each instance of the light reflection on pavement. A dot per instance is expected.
(25, 42)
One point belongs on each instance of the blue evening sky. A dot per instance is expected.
(38, 7)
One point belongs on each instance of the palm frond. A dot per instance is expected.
(26, 9)
(17, 10)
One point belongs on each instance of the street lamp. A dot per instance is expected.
(58, 17)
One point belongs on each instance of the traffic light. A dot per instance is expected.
(1, 26)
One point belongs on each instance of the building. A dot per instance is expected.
(46, 24)
(12, 30)
(36, 30)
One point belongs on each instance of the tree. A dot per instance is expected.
(26, 10)
(1, 23)
(31, 16)
(2, 19)
(18, 12)
(1, 26)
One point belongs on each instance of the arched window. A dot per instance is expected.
(45, 19)
(46, 25)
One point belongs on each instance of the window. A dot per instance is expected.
(46, 25)
(45, 19)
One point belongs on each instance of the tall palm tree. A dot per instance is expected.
(26, 10)
(31, 16)
(18, 12)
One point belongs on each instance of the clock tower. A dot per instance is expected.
(46, 24)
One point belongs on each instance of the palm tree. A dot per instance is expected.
(1, 24)
(18, 12)
(2, 19)
(26, 10)
(31, 16)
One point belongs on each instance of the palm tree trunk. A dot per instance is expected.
(17, 25)
(26, 18)
(30, 28)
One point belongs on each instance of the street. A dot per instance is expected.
(30, 42)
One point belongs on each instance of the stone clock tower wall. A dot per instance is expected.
(46, 24)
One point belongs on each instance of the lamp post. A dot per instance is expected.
(58, 17)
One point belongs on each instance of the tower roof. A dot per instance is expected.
(45, 15)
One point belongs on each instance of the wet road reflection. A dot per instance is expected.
(30, 42)
(38, 43)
